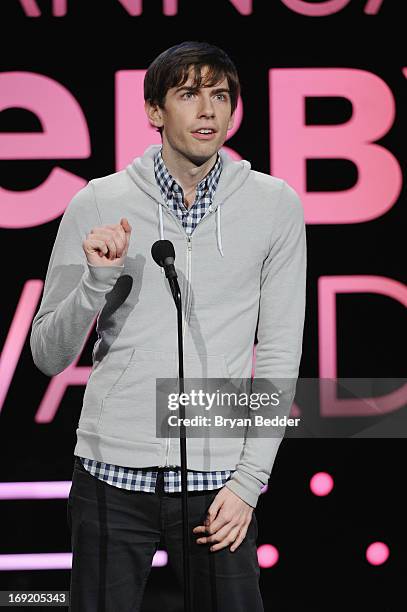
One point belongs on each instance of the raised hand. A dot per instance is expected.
(108, 245)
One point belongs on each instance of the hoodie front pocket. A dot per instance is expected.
(128, 409)
(103, 378)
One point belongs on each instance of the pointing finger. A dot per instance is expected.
(126, 225)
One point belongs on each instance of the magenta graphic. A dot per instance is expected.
(134, 8)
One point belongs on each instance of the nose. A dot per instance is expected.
(206, 108)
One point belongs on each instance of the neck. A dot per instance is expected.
(185, 172)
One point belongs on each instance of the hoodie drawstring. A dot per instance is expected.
(218, 228)
(160, 210)
(218, 231)
(160, 213)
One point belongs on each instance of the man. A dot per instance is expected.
(239, 238)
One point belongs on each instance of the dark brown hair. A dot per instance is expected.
(171, 69)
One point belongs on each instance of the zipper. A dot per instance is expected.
(168, 441)
(188, 300)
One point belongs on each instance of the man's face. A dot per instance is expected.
(187, 110)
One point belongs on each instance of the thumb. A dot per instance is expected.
(126, 225)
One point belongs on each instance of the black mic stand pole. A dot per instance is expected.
(184, 482)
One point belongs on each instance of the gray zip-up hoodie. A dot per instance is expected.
(244, 266)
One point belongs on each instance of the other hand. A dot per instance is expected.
(227, 521)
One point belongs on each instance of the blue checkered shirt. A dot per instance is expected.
(144, 479)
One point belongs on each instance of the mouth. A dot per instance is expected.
(205, 135)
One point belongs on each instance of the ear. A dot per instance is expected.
(153, 113)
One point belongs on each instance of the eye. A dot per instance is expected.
(188, 93)
(222, 96)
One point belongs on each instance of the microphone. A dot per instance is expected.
(163, 253)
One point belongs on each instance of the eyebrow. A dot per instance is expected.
(192, 88)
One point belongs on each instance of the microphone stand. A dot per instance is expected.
(176, 293)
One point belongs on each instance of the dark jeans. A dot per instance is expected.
(116, 532)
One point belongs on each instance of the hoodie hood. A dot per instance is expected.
(233, 175)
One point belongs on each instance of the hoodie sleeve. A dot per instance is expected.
(74, 290)
(280, 331)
